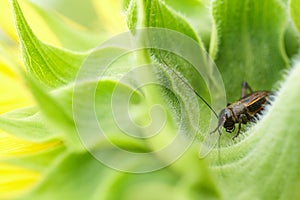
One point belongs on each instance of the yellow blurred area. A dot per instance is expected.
(7, 24)
(5, 70)
(11, 146)
(13, 93)
(109, 11)
(15, 180)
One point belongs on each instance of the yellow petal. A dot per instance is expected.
(12, 146)
(13, 94)
(6, 70)
(6, 20)
(15, 180)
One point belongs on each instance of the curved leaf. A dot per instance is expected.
(26, 123)
(248, 44)
(158, 14)
(198, 16)
(59, 119)
(51, 66)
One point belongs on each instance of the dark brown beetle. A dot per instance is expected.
(244, 110)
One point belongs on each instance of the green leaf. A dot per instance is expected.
(131, 14)
(171, 46)
(71, 171)
(294, 7)
(198, 15)
(51, 66)
(84, 112)
(158, 14)
(248, 43)
(60, 120)
(26, 123)
(104, 114)
(99, 182)
(39, 161)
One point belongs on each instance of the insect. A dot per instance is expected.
(245, 110)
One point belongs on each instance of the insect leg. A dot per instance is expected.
(245, 87)
(238, 131)
(216, 129)
(242, 120)
(221, 121)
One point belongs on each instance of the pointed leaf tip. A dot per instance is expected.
(51, 66)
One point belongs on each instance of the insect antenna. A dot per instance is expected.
(189, 86)
(163, 63)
